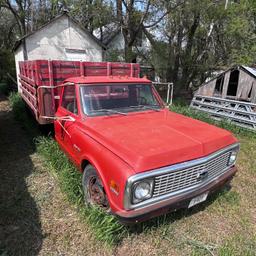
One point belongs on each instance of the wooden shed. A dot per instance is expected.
(231, 95)
(237, 83)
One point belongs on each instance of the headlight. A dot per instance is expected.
(232, 158)
(142, 190)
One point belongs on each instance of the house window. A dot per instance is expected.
(233, 83)
(78, 51)
(69, 99)
(75, 54)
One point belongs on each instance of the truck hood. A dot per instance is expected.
(149, 140)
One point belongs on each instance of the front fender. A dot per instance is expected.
(109, 167)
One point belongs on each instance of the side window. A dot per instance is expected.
(145, 95)
(69, 99)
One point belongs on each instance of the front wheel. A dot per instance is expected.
(94, 192)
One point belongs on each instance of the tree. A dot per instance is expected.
(203, 36)
(133, 16)
(192, 37)
(30, 14)
(92, 14)
(7, 37)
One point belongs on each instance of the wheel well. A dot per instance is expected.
(84, 164)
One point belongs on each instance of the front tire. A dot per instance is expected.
(94, 192)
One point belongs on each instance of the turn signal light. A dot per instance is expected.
(114, 187)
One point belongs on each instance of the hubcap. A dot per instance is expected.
(96, 193)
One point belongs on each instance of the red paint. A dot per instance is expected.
(37, 73)
(119, 146)
(107, 79)
(149, 140)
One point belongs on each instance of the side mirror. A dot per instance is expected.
(65, 118)
(60, 118)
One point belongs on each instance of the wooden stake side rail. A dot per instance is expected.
(52, 73)
(47, 72)
(238, 112)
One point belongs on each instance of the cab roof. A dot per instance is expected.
(106, 79)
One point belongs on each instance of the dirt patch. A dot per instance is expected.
(35, 218)
(20, 225)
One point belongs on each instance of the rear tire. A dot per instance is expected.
(94, 192)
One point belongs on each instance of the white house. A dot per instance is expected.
(61, 38)
(112, 37)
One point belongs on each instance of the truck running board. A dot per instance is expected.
(240, 113)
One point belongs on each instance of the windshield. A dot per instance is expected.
(117, 98)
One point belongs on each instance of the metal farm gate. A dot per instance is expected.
(238, 112)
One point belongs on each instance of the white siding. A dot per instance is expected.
(60, 40)
(117, 42)
(52, 41)
(146, 45)
(18, 57)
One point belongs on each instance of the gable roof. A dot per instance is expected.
(19, 41)
(249, 70)
(109, 31)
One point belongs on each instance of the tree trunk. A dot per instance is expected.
(119, 10)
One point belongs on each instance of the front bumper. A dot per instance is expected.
(175, 202)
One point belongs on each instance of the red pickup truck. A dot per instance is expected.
(138, 159)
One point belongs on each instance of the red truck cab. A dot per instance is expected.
(138, 158)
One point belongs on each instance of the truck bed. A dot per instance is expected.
(40, 81)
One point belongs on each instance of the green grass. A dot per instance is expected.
(239, 245)
(20, 112)
(182, 230)
(18, 107)
(105, 227)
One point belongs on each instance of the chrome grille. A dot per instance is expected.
(189, 177)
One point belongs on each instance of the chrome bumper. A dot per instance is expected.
(173, 169)
(174, 202)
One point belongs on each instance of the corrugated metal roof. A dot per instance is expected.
(250, 70)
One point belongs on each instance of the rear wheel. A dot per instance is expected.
(94, 192)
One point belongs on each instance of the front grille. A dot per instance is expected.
(190, 177)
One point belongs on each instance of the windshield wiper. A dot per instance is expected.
(111, 111)
(151, 107)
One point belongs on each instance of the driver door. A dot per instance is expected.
(64, 129)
